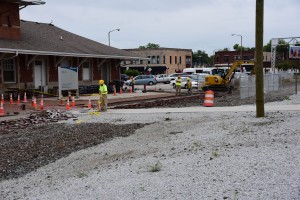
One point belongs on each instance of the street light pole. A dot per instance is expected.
(109, 35)
(241, 44)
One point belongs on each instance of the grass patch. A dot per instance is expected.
(81, 174)
(156, 167)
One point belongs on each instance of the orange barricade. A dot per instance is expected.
(209, 98)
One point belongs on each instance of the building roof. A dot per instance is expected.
(160, 48)
(26, 2)
(47, 39)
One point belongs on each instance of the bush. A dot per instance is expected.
(131, 72)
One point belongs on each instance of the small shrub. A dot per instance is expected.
(81, 174)
(156, 167)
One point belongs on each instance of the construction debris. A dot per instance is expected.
(43, 117)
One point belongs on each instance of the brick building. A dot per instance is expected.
(226, 58)
(160, 60)
(31, 52)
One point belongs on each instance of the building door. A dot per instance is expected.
(105, 72)
(40, 75)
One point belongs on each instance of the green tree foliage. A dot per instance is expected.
(202, 58)
(237, 47)
(131, 72)
(149, 45)
(282, 47)
(288, 64)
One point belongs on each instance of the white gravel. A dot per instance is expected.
(198, 155)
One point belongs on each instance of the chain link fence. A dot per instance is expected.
(283, 82)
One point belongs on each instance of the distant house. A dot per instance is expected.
(31, 52)
(160, 60)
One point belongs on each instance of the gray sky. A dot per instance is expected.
(192, 24)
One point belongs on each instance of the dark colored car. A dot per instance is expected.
(124, 77)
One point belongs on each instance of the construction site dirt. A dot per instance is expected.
(30, 142)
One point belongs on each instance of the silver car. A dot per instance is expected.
(143, 80)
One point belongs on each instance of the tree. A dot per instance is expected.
(236, 47)
(288, 64)
(149, 46)
(131, 72)
(202, 58)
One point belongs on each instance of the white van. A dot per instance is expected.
(202, 70)
(193, 70)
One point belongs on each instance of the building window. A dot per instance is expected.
(9, 71)
(170, 59)
(157, 58)
(149, 61)
(226, 58)
(86, 71)
(9, 21)
(175, 59)
(153, 60)
(141, 62)
(179, 59)
(164, 59)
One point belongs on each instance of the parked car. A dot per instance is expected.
(184, 82)
(175, 75)
(162, 78)
(143, 80)
(124, 77)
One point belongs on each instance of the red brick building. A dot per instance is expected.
(226, 58)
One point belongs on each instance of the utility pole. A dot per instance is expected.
(260, 105)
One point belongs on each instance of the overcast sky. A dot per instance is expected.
(191, 24)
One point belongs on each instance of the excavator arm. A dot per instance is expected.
(218, 83)
(236, 63)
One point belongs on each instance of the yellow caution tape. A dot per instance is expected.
(96, 113)
(79, 121)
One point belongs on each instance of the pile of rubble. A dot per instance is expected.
(42, 117)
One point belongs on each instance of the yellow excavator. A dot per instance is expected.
(221, 83)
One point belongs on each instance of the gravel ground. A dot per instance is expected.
(158, 156)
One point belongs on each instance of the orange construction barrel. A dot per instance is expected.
(209, 98)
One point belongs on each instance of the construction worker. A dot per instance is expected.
(132, 83)
(189, 86)
(178, 81)
(103, 96)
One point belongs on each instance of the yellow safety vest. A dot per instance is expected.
(178, 81)
(103, 89)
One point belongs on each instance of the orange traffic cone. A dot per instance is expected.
(34, 103)
(2, 109)
(25, 98)
(115, 94)
(2, 100)
(68, 105)
(11, 99)
(90, 103)
(42, 104)
(19, 101)
(73, 101)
